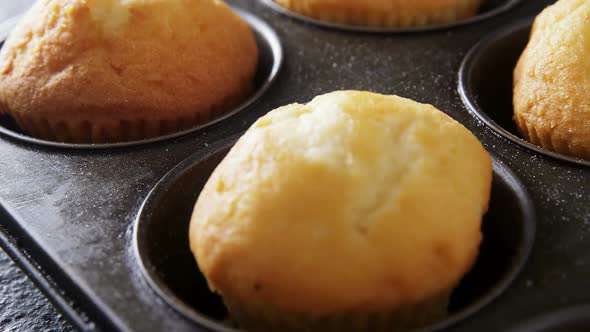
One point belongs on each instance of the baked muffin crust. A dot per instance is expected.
(88, 70)
(354, 202)
(552, 80)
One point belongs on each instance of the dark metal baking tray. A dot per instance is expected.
(67, 215)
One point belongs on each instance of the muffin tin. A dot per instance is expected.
(101, 230)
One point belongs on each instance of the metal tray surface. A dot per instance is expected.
(66, 216)
(572, 319)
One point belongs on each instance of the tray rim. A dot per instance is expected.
(554, 318)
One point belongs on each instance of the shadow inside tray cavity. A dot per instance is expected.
(490, 83)
(163, 249)
(166, 245)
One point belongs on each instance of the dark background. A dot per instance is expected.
(22, 306)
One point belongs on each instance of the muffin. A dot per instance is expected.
(552, 80)
(94, 71)
(385, 13)
(354, 212)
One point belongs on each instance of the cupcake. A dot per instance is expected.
(385, 13)
(95, 71)
(552, 80)
(354, 212)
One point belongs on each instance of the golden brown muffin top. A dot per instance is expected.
(353, 202)
(552, 80)
(125, 58)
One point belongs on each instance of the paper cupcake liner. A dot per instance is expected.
(115, 130)
(544, 139)
(403, 318)
(103, 131)
(405, 16)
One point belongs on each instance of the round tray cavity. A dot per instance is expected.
(162, 249)
(489, 8)
(269, 63)
(575, 319)
(485, 84)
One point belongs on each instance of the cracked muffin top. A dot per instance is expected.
(354, 201)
